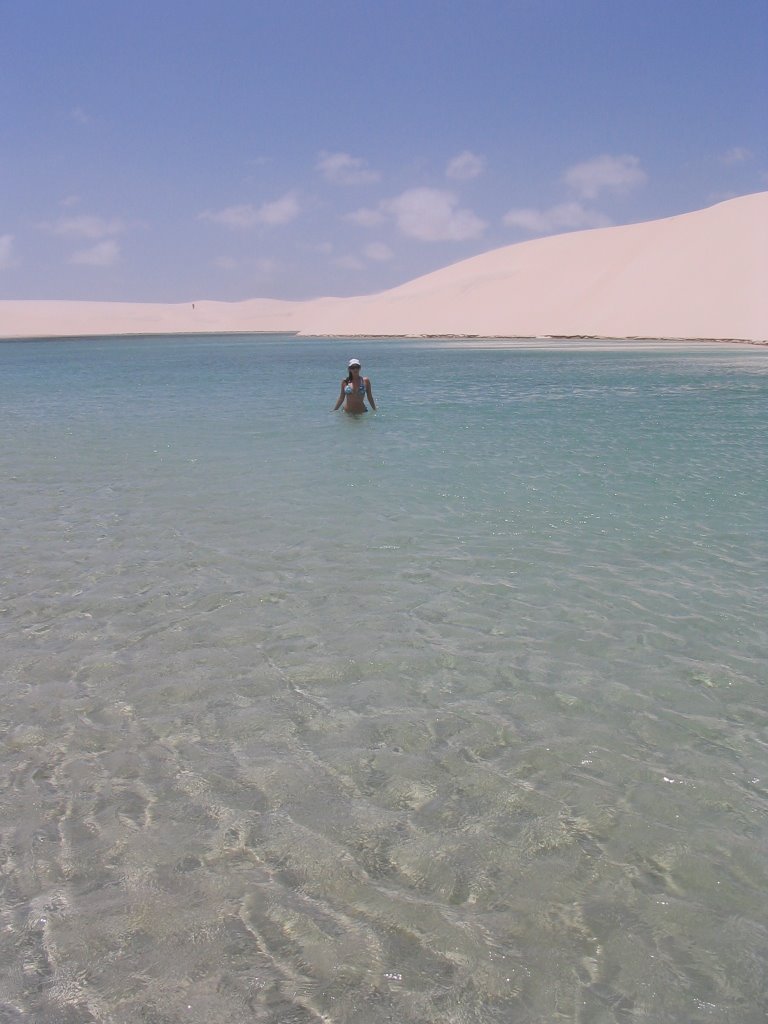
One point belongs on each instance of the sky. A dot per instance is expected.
(172, 150)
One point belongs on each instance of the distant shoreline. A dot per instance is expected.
(629, 340)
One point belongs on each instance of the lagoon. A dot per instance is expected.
(450, 713)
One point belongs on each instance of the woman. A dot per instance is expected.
(354, 390)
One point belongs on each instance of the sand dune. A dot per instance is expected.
(697, 275)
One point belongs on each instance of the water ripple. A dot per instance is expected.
(456, 714)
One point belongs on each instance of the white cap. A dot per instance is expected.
(353, 362)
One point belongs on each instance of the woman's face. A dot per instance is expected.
(354, 370)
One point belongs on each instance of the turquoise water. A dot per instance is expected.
(451, 714)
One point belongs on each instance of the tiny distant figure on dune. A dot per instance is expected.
(354, 390)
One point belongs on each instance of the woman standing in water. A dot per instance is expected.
(354, 390)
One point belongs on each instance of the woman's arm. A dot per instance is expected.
(340, 400)
(369, 392)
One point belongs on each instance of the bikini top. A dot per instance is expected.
(349, 388)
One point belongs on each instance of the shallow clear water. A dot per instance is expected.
(452, 713)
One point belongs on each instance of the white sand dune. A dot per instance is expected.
(697, 275)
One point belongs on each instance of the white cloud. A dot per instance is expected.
(344, 169)
(85, 227)
(6, 252)
(69, 201)
(103, 254)
(736, 155)
(80, 116)
(433, 215)
(616, 173)
(428, 214)
(365, 218)
(244, 216)
(380, 252)
(565, 216)
(279, 211)
(465, 166)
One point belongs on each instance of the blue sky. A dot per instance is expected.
(169, 150)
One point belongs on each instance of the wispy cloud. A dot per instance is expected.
(279, 211)
(465, 166)
(365, 218)
(243, 216)
(6, 252)
(345, 169)
(564, 216)
(85, 226)
(612, 173)
(433, 215)
(103, 254)
(80, 116)
(379, 252)
(736, 155)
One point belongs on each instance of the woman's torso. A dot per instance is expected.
(354, 395)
